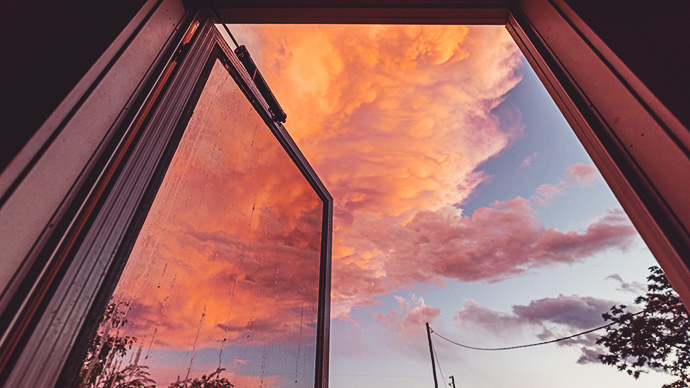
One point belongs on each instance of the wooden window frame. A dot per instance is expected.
(52, 328)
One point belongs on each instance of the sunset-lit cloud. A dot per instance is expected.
(572, 312)
(396, 120)
(575, 175)
(412, 314)
(528, 160)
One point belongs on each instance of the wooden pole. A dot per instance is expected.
(431, 350)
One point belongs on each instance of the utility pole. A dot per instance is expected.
(431, 350)
(452, 381)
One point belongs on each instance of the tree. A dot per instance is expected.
(102, 366)
(655, 338)
(211, 381)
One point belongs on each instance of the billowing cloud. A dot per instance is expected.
(396, 121)
(494, 243)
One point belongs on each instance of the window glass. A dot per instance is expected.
(222, 283)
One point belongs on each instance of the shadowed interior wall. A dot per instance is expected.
(46, 48)
(653, 41)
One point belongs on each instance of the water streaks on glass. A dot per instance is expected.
(222, 283)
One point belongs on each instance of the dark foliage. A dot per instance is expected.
(655, 338)
(211, 381)
(101, 366)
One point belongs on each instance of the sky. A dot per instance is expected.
(462, 199)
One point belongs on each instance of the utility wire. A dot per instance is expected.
(532, 344)
(438, 362)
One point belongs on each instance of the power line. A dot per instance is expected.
(438, 362)
(532, 344)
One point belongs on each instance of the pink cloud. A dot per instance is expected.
(412, 314)
(494, 243)
(497, 321)
(582, 173)
(394, 119)
(575, 175)
(571, 313)
(528, 160)
(546, 192)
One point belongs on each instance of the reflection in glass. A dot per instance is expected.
(222, 283)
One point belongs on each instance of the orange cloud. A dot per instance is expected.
(395, 120)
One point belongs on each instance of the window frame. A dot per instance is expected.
(62, 326)
(578, 69)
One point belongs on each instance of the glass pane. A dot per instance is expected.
(223, 280)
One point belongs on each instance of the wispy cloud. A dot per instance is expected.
(636, 288)
(575, 175)
(528, 160)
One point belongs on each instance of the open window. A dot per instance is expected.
(206, 253)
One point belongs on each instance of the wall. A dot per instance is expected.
(47, 46)
(652, 40)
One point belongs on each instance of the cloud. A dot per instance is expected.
(580, 312)
(573, 312)
(412, 314)
(575, 175)
(493, 320)
(545, 193)
(528, 160)
(557, 317)
(636, 288)
(582, 173)
(394, 119)
(590, 355)
(494, 243)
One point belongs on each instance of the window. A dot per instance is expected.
(233, 215)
